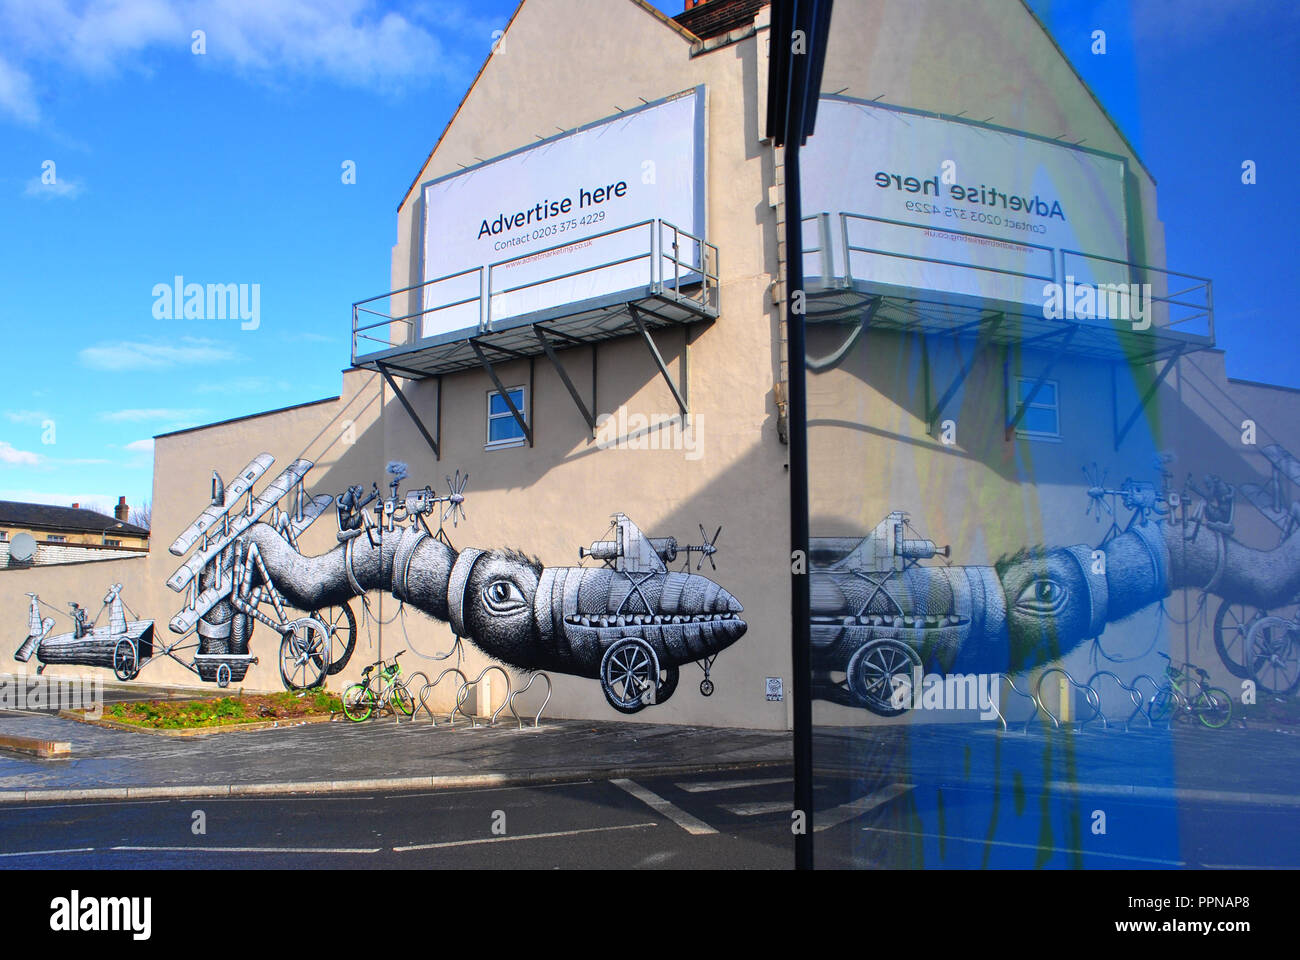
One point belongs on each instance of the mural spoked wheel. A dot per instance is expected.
(223, 675)
(342, 626)
(872, 671)
(667, 684)
(1274, 654)
(706, 687)
(1232, 622)
(304, 654)
(125, 664)
(629, 671)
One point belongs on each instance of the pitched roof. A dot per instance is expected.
(43, 516)
(643, 4)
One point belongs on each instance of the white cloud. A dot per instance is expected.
(352, 42)
(140, 446)
(17, 98)
(59, 189)
(19, 458)
(28, 417)
(140, 414)
(136, 355)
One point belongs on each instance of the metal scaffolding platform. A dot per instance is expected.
(678, 285)
(658, 277)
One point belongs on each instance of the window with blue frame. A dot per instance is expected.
(1042, 417)
(502, 428)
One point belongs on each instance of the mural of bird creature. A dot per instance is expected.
(879, 613)
(630, 623)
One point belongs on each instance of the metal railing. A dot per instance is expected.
(1192, 300)
(658, 258)
(1178, 300)
(850, 248)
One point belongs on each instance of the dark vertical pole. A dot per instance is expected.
(796, 56)
(800, 606)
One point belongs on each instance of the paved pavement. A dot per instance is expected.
(324, 753)
(1249, 766)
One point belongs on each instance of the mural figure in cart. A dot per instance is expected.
(879, 614)
(631, 622)
(115, 645)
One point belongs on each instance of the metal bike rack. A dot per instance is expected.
(1134, 695)
(1028, 696)
(406, 685)
(511, 701)
(463, 692)
(1089, 694)
(424, 692)
(1155, 688)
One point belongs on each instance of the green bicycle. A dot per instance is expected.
(1183, 695)
(378, 690)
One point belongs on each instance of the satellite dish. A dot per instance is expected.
(22, 548)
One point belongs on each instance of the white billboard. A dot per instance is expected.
(566, 220)
(957, 207)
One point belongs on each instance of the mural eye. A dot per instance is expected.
(502, 596)
(1042, 596)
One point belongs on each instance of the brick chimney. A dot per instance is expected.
(713, 18)
(121, 511)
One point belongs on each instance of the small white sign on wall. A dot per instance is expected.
(775, 689)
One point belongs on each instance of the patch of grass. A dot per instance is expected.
(1283, 711)
(224, 711)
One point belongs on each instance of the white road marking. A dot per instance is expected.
(46, 853)
(825, 819)
(1028, 846)
(758, 807)
(661, 806)
(361, 850)
(711, 785)
(521, 836)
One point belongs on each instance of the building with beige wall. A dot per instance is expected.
(691, 404)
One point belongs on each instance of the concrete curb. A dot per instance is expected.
(475, 781)
(45, 749)
(1119, 790)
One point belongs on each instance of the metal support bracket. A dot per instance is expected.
(836, 356)
(505, 394)
(934, 413)
(587, 414)
(658, 359)
(410, 410)
(1146, 397)
(1023, 408)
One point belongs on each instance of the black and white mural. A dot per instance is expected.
(630, 622)
(880, 612)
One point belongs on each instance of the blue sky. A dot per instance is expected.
(227, 168)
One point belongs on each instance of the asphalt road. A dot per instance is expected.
(738, 820)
